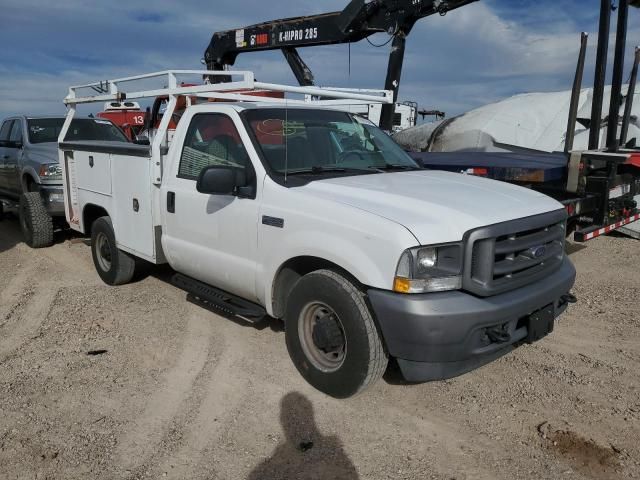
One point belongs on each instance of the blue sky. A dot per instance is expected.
(478, 54)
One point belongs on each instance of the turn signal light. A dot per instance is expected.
(402, 285)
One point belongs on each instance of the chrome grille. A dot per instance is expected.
(510, 255)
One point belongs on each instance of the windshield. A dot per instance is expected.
(316, 141)
(46, 130)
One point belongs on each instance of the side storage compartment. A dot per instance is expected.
(133, 205)
(116, 178)
(87, 181)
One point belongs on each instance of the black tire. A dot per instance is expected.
(114, 266)
(35, 222)
(340, 373)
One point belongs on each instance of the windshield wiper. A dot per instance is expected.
(390, 167)
(323, 170)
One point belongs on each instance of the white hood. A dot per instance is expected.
(437, 207)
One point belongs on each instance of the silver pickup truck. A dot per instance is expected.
(30, 176)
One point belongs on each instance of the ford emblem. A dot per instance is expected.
(538, 252)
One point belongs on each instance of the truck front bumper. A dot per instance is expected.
(436, 336)
(53, 199)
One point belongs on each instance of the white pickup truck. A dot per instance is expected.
(309, 214)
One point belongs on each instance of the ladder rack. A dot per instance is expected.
(236, 90)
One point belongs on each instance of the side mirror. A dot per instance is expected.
(222, 180)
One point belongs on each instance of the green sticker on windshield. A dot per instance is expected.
(280, 128)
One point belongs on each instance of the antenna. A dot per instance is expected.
(286, 140)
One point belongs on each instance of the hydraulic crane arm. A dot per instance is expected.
(356, 22)
(359, 20)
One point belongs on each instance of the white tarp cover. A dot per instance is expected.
(532, 121)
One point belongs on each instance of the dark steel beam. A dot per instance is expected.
(394, 74)
(626, 119)
(300, 69)
(618, 73)
(601, 74)
(575, 94)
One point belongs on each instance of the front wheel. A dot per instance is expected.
(35, 222)
(114, 266)
(331, 335)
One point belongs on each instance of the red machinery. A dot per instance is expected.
(135, 121)
(126, 115)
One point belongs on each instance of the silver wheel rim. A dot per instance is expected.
(103, 252)
(325, 361)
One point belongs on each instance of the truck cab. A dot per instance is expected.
(310, 214)
(29, 163)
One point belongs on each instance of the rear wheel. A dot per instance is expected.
(331, 335)
(114, 266)
(35, 222)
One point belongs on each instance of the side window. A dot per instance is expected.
(4, 132)
(212, 139)
(16, 132)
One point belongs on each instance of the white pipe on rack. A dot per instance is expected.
(248, 83)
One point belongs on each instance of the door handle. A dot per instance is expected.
(5, 157)
(171, 202)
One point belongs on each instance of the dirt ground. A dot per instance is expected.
(135, 382)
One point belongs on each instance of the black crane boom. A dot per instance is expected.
(359, 20)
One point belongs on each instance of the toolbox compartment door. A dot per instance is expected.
(93, 172)
(132, 202)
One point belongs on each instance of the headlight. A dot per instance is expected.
(429, 269)
(52, 171)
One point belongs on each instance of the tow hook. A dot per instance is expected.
(568, 299)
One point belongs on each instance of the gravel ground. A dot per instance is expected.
(135, 382)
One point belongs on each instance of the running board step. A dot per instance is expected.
(211, 297)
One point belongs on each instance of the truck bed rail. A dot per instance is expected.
(121, 148)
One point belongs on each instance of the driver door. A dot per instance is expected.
(13, 158)
(5, 130)
(212, 238)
